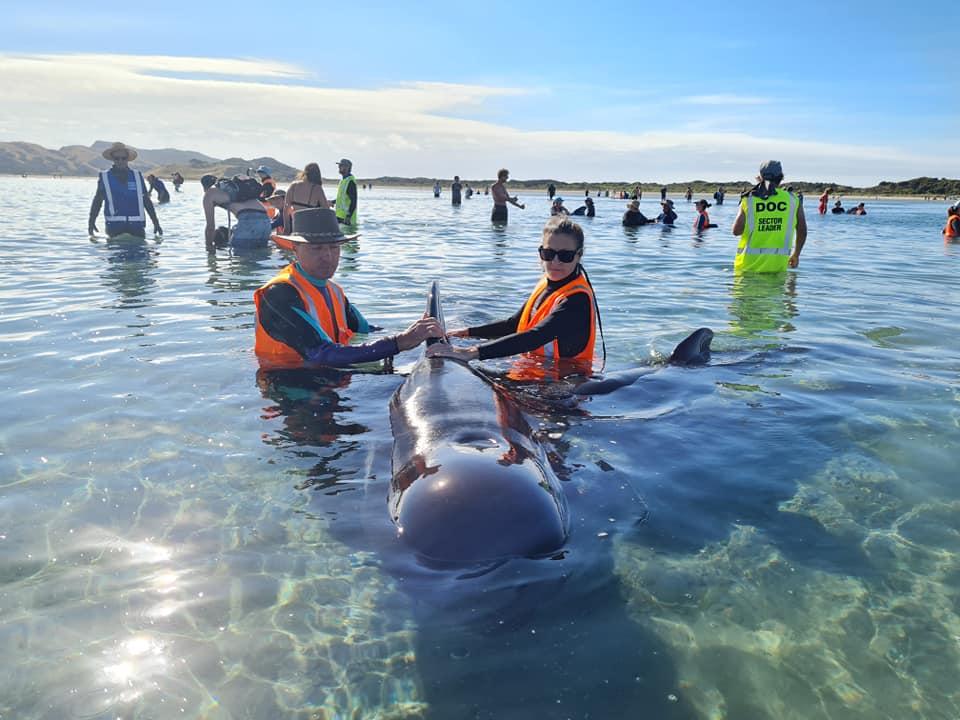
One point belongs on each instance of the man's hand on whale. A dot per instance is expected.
(425, 327)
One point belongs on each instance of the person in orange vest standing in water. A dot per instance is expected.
(703, 219)
(268, 183)
(304, 319)
(951, 230)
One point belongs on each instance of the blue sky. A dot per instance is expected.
(855, 92)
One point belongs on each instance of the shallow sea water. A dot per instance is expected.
(775, 535)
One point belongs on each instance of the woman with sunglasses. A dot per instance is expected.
(558, 320)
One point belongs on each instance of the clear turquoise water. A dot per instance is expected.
(776, 535)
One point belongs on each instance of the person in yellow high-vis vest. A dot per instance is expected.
(346, 205)
(771, 225)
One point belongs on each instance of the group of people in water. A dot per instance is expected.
(304, 318)
(260, 208)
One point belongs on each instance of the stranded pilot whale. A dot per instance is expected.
(471, 484)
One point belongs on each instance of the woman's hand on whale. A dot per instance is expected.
(418, 332)
(447, 350)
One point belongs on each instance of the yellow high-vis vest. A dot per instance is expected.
(343, 201)
(767, 240)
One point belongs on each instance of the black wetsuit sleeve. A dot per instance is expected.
(497, 329)
(568, 323)
(352, 196)
(278, 318)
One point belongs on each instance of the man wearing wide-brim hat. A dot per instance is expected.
(304, 319)
(124, 194)
(633, 217)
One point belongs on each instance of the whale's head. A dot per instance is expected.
(479, 498)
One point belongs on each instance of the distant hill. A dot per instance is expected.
(193, 169)
(17, 158)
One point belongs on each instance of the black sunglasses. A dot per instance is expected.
(565, 256)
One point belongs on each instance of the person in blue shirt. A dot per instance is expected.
(123, 195)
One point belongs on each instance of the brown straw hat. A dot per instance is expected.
(117, 148)
(317, 226)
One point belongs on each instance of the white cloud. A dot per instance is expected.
(251, 108)
(158, 64)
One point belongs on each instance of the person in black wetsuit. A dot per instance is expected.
(455, 189)
(633, 217)
(587, 210)
(155, 183)
(304, 319)
(559, 317)
(668, 216)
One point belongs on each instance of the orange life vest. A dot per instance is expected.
(529, 317)
(274, 354)
(948, 231)
(706, 218)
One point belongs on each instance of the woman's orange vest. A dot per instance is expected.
(276, 355)
(529, 317)
(706, 217)
(948, 231)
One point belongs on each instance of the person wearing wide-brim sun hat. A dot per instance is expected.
(304, 319)
(633, 217)
(669, 215)
(122, 193)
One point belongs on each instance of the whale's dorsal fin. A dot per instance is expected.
(435, 310)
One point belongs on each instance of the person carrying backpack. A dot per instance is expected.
(239, 196)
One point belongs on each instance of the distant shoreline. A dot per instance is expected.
(573, 190)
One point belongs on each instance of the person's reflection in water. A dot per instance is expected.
(239, 269)
(129, 263)
(763, 305)
(315, 418)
